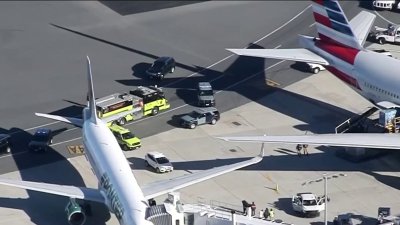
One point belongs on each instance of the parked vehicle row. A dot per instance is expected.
(119, 108)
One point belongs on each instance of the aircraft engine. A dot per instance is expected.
(74, 213)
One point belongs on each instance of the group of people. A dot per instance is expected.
(267, 214)
(303, 147)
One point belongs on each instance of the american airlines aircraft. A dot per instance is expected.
(117, 187)
(339, 47)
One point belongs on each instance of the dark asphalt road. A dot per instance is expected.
(121, 48)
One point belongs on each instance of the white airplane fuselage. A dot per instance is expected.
(116, 180)
(374, 75)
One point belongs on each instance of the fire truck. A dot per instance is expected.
(120, 108)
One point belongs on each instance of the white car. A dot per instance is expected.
(315, 68)
(159, 162)
(308, 204)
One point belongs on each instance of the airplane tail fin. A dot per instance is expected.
(92, 114)
(332, 24)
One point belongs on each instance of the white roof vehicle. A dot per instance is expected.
(315, 68)
(390, 34)
(308, 204)
(384, 4)
(159, 162)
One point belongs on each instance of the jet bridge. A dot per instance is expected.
(369, 121)
(173, 212)
(357, 124)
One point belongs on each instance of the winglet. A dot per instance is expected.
(92, 103)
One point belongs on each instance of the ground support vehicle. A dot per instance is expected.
(384, 4)
(126, 139)
(153, 99)
(159, 162)
(209, 115)
(385, 217)
(383, 35)
(120, 108)
(308, 204)
(205, 94)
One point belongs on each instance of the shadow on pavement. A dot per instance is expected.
(245, 76)
(285, 205)
(365, 4)
(365, 220)
(132, 7)
(391, 181)
(139, 70)
(175, 121)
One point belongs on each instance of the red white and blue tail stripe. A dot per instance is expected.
(332, 25)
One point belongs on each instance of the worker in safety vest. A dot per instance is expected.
(271, 214)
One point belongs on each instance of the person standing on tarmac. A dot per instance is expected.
(271, 214)
(305, 151)
(261, 214)
(253, 209)
(298, 148)
(266, 213)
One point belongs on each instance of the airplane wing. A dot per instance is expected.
(62, 190)
(298, 54)
(361, 25)
(161, 187)
(75, 121)
(364, 140)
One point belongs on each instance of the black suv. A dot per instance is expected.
(209, 115)
(5, 143)
(41, 140)
(161, 67)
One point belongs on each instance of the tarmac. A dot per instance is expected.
(52, 57)
(271, 183)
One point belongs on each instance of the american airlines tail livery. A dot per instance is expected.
(117, 186)
(339, 47)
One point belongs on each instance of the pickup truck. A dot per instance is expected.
(383, 35)
(308, 204)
